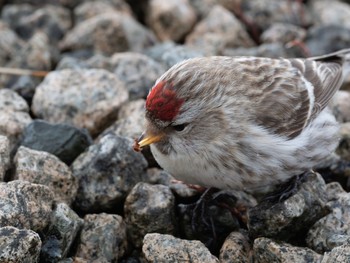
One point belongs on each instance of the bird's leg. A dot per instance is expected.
(286, 190)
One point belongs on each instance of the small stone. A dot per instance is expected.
(19, 245)
(166, 248)
(107, 172)
(236, 248)
(25, 205)
(108, 34)
(90, 9)
(337, 13)
(326, 39)
(44, 168)
(70, 141)
(10, 43)
(169, 54)
(265, 13)
(217, 31)
(53, 20)
(339, 254)
(171, 19)
(5, 160)
(340, 106)
(56, 98)
(283, 33)
(267, 250)
(131, 120)
(62, 231)
(334, 229)
(149, 208)
(14, 116)
(286, 219)
(103, 238)
(203, 7)
(344, 144)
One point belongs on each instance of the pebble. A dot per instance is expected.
(339, 254)
(19, 245)
(149, 209)
(166, 248)
(25, 205)
(283, 33)
(4, 156)
(46, 169)
(102, 239)
(237, 248)
(340, 106)
(71, 97)
(10, 43)
(107, 172)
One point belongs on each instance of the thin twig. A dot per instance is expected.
(21, 72)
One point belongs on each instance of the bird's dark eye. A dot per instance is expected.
(179, 127)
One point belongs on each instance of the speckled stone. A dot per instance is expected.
(107, 34)
(339, 254)
(14, 116)
(4, 156)
(70, 96)
(107, 172)
(131, 120)
(103, 238)
(64, 227)
(44, 168)
(340, 106)
(10, 43)
(171, 19)
(286, 219)
(217, 31)
(19, 245)
(334, 229)
(267, 250)
(148, 209)
(283, 33)
(343, 149)
(89, 9)
(237, 248)
(25, 205)
(166, 248)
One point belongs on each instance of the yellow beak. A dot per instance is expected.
(147, 139)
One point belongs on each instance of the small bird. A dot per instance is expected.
(243, 123)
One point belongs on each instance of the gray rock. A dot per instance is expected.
(340, 106)
(14, 116)
(325, 39)
(103, 238)
(19, 245)
(44, 168)
(89, 9)
(26, 20)
(69, 142)
(36, 55)
(62, 231)
(334, 229)
(137, 71)
(131, 120)
(337, 13)
(217, 31)
(71, 96)
(107, 172)
(267, 250)
(170, 54)
(10, 43)
(286, 219)
(171, 19)
(237, 248)
(5, 160)
(283, 33)
(202, 7)
(339, 254)
(148, 209)
(159, 176)
(264, 13)
(107, 34)
(166, 248)
(25, 205)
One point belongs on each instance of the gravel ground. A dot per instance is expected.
(71, 187)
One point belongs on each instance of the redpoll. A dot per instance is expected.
(243, 123)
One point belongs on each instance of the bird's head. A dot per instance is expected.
(179, 116)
